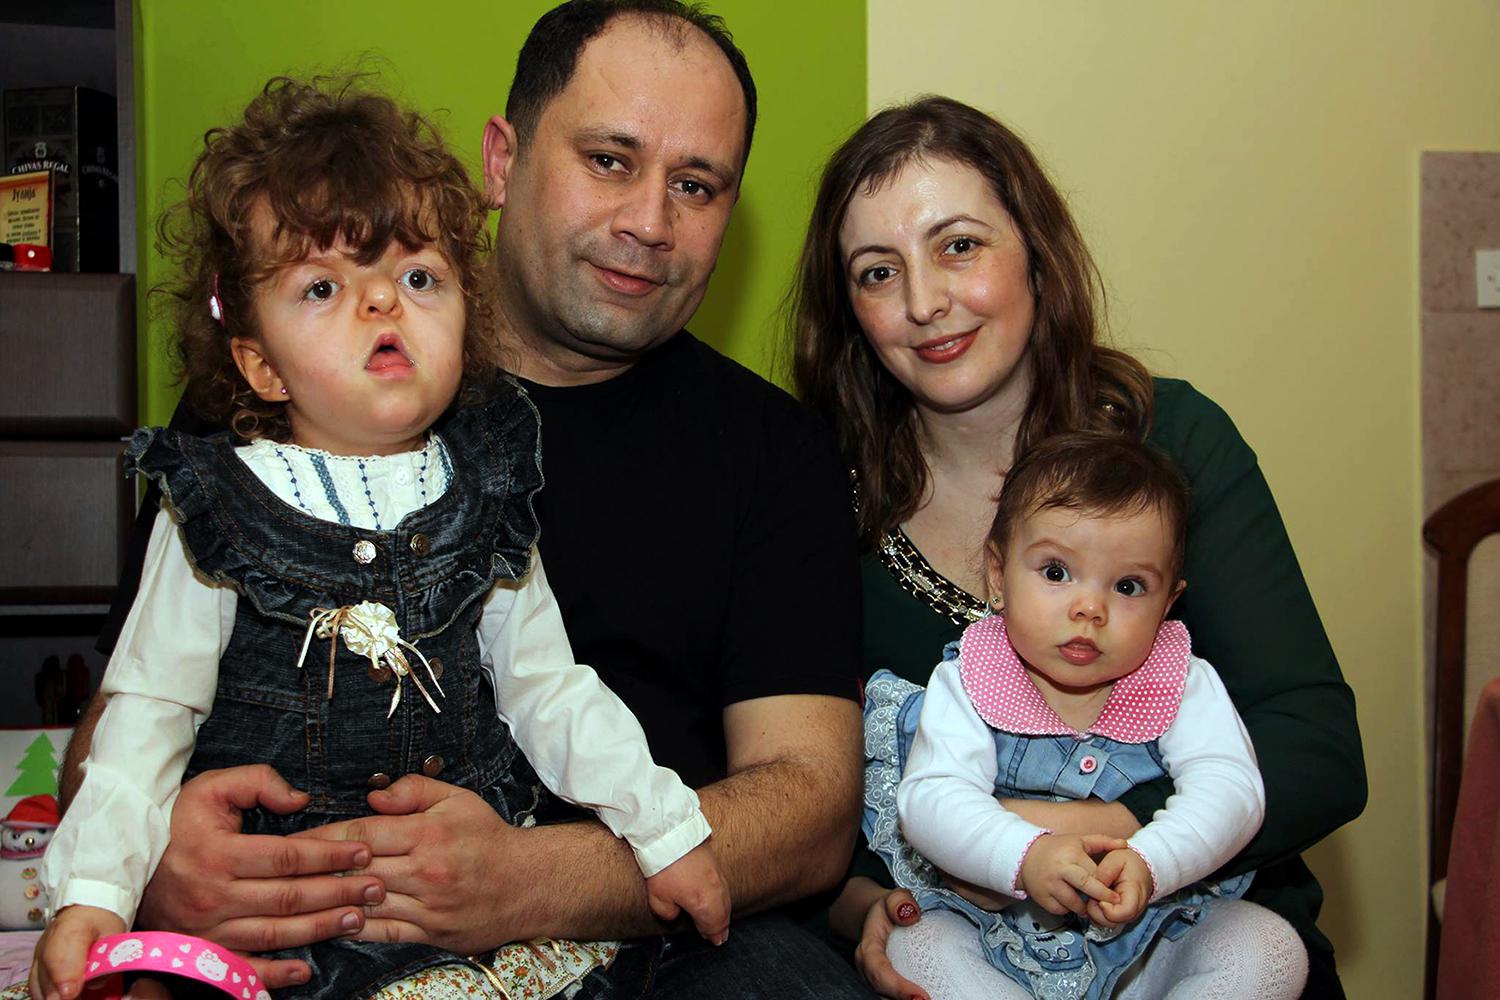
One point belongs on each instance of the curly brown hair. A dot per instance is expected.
(331, 161)
(1077, 384)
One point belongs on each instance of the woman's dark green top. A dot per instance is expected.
(1250, 614)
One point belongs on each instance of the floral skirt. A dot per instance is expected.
(534, 970)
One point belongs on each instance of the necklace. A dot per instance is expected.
(916, 576)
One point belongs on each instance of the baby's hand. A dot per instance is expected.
(57, 967)
(1058, 864)
(693, 883)
(1128, 874)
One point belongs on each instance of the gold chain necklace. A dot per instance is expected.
(915, 575)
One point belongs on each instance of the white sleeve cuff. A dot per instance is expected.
(659, 852)
(89, 892)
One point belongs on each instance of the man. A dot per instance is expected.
(696, 532)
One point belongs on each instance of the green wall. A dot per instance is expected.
(199, 63)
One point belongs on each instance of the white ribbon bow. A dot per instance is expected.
(369, 630)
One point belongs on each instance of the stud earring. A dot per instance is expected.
(283, 390)
(997, 602)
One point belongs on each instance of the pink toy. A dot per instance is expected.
(174, 955)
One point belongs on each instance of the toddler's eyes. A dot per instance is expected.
(1056, 572)
(1130, 587)
(321, 290)
(419, 279)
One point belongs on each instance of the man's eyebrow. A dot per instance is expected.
(726, 175)
(606, 136)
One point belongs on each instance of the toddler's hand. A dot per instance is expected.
(57, 966)
(693, 883)
(1060, 866)
(1127, 873)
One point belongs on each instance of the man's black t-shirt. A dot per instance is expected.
(697, 532)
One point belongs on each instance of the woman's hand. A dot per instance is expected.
(980, 896)
(1085, 816)
(867, 912)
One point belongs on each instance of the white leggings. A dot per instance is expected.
(1239, 951)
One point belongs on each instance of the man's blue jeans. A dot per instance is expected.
(767, 957)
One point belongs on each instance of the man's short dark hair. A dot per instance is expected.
(550, 56)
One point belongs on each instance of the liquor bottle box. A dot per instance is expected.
(71, 132)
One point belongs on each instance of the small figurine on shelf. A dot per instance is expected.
(24, 834)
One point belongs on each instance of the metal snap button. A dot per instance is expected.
(1088, 765)
(379, 780)
(420, 545)
(364, 551)
(437, 667)
(432, 766)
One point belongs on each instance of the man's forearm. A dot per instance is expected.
(783, 828)
(766, 854)
(70, 776)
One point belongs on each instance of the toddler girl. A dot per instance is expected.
(1080, 689)
(351, 591)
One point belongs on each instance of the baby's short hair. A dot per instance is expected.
(331, 161)
(1097, 475)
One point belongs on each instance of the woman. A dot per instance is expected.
(945, 322)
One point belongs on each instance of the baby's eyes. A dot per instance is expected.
(1056, 572)
(1130, 587)
(419, 279)
(321, 290)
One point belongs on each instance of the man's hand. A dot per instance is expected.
(458, 876)
(692, 883)
(1059, 871)
(440, 851)
(254, 893)
(1127, 873)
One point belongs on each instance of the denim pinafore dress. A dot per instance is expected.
(1056, 958)
(432, 570)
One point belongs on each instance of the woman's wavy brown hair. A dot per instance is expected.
(329, 161)
(1077, 384)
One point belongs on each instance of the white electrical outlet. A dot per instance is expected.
(1487, 277)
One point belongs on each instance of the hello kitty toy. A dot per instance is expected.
(24, 834)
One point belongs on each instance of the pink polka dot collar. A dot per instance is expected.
(1139, 709)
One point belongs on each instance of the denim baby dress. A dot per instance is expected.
(1055, 957)
(329, 727)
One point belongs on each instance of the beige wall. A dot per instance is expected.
(1247, 175)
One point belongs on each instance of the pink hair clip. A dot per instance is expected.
(216, 304)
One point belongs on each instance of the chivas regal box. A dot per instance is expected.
(71, 132)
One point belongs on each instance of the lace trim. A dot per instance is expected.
(885, 693)
(915, 575)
